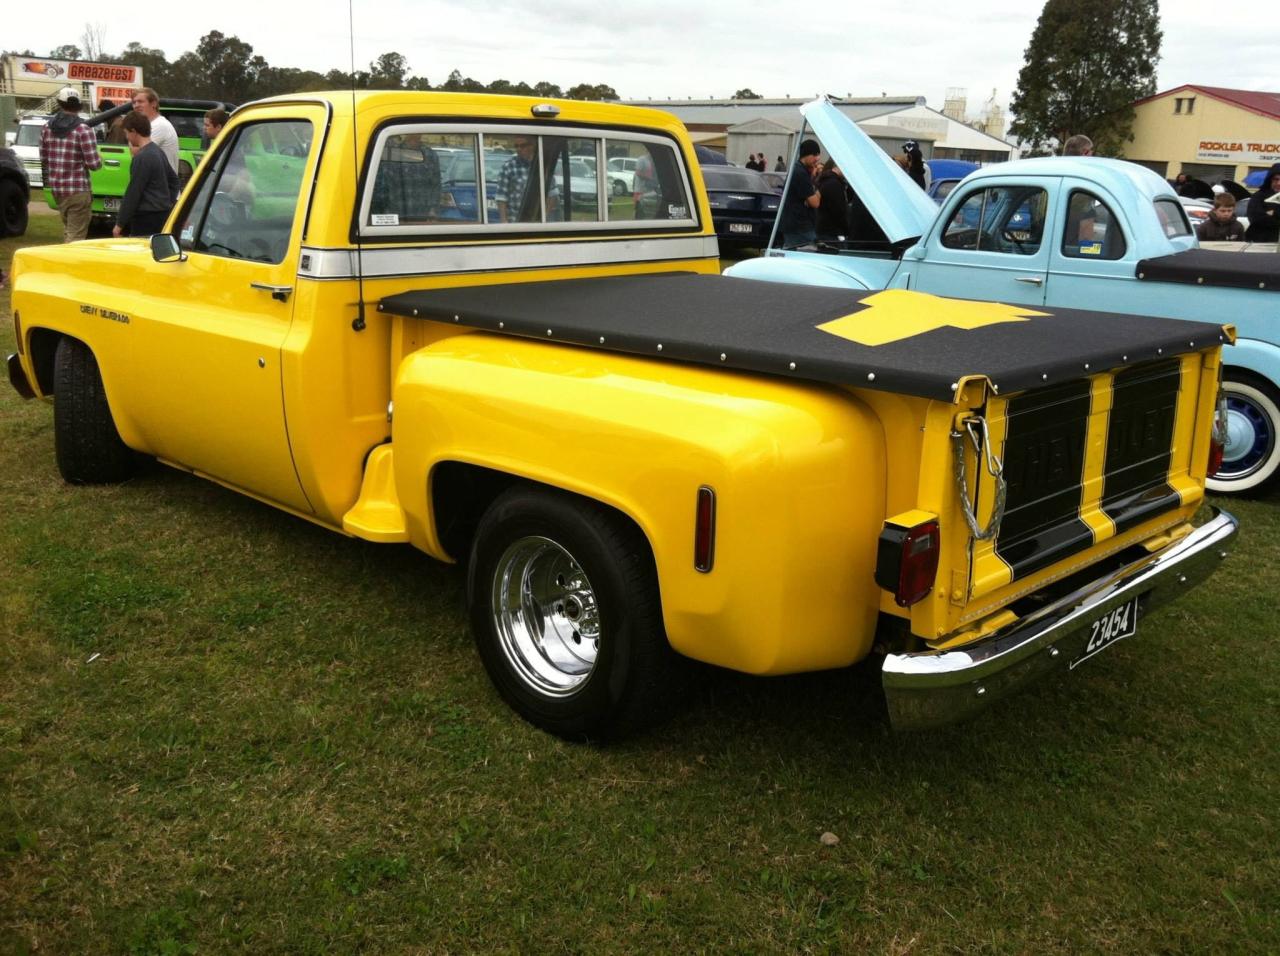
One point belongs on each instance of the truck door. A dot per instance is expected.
(208, 339)
(993, 245)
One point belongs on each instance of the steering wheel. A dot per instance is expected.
(1007, 235)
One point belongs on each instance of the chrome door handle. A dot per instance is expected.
(111, 162)
(280, 293)
(1030, 280)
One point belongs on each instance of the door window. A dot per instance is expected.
(1092, 230)
(246, 204)
(1006, 219)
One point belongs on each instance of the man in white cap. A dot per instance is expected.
(68, 153)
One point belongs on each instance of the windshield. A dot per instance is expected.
(29, 134)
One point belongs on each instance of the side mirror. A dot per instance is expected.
(165, 248)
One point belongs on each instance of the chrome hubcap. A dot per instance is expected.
(545, 615)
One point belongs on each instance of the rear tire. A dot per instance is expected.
(13, 209)
(1251, 461)
(86, 443)
(565, 611)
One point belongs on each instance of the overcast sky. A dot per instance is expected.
(679, 48)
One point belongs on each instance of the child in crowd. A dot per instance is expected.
(1222, 224)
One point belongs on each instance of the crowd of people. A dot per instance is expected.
(819, 204)
(69, 153)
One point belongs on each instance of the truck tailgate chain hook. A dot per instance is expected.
(981, 448)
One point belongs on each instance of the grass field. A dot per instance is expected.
(223, 729)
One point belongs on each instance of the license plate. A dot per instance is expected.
(1113, 626)
(111, 205)
(741, 227)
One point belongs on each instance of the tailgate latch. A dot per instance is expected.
(976, 428)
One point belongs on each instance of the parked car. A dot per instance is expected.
(15, 192)
(27, 145)
(945, 174)
(743, 205)
(1015, 233)
(623, 169)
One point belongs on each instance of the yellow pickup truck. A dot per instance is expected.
(429, 318)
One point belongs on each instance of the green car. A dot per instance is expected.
(109, 182)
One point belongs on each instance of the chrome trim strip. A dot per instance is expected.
(933, 688)
(382, 262)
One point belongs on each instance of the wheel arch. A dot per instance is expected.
(460, 492)
(1256, 356)
(42, 346)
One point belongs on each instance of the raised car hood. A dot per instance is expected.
(900, 206)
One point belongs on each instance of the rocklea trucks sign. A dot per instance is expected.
(40, 76)
(1238, 151)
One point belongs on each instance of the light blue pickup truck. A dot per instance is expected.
(1060, 232)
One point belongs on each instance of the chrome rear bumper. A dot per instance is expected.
(932, 688)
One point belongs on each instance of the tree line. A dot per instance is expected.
(225, 68)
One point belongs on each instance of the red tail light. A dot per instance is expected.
(1218, 437)
(907, 560)
(1216, 451)
(704, 535)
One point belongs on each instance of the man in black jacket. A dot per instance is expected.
(153, 185)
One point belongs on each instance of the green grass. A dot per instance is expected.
(223, 729)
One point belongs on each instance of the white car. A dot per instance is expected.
(27, 145)
(622, 169)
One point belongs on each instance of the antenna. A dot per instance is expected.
(358, 323)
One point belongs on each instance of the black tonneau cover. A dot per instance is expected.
(1237, 270)
(926, 344)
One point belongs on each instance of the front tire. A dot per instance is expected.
(85, 440)
(1251, 460)
(564, 605)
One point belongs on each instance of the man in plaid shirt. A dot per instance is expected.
(68, 152)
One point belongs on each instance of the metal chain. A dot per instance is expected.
(981, 448)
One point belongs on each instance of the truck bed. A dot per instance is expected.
(905, 342)
(1217, 267)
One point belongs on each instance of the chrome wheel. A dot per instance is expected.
(545, 615)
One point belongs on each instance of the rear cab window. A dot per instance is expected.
(427, 178)
(1173, 219)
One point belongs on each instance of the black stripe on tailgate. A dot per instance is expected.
(1044, 453)
(1144, 410)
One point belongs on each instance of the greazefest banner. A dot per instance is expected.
(78, 71)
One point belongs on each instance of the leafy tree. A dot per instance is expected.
(231, 70)
(458, 83)
(157, 72)
(388, 71)
(549, 90)
(585, 91)
(68, 51)
(1087, 62)
(746, 93)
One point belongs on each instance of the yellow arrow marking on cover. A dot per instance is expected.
(897, 314)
